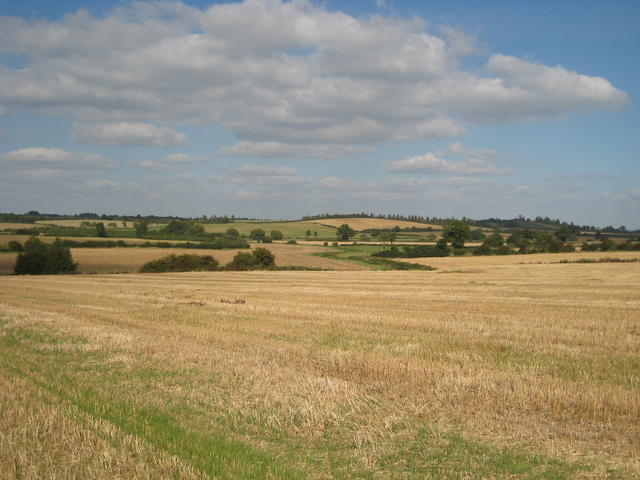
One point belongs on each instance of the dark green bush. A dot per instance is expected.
(15, 246)
(181, 263)
(38, 258)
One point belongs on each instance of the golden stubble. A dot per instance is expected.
(543, 356)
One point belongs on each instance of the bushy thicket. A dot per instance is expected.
(258, 259)
(413, 251)
(39, 258)
(608, 246)
(181, 263)
(523, 241)
(217, 244)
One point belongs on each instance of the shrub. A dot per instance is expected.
(494, 240)
(100, 230)
(232, 232)
(181, 263)
(483, 249)
(345, 232)
(292, 242)
(264, 258)
(38, 258)
(276, 235)
(15, 246)
(241, 261)
(267, 240)
(260, 258)
(257, 234)
(504, 250)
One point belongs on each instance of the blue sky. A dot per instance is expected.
(275, 109)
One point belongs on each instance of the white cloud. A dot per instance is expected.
(272, 71)
(284, 150)
(282, 181)
(339, 183)
(152, 166)
(436, 164)
(55, 157)
(184, 158)
(107, 186)
(264, 170)
(457, 148)
(632, 195)
(409, 183)
(126, 134)
(36, 175)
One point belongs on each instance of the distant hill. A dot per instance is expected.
(359, 223)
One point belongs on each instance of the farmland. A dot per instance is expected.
(289, 229)
(128, 260)
(506, 370)
(360, 224)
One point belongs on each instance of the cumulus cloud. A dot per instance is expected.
(284, 150)
(436, 164)
(273, 71)
(264, 170)
(457, 148)
(409, 183)
(126, 134)
(55, 157)
(35, 175)
(184, 158)
(107, 186)
(152, 166)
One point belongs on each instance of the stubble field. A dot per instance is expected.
(506, 371)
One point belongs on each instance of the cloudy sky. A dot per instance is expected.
(275, 109)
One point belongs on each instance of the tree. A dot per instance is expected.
(264, 258)
(456, 233)
(442, 246)
(142, 228)
(39, 258)
(388, 237)
(276, 235)
(232, 232)
(345, 232)
(59, 259)
(307, 233)
(477, 235)
(241, 261)
(15, 246)
(100, 230)
(259, 258)
(183, 227)
(258, 234)
(494, 240)
(565, 234)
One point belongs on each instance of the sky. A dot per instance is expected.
(274, 109)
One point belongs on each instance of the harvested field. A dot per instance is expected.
(128, 260)
(512, 371)
(78, 222)
(359, 224)
(4, 239)
(4, 226)
(499, 262)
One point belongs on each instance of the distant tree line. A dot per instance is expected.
(519, 222)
